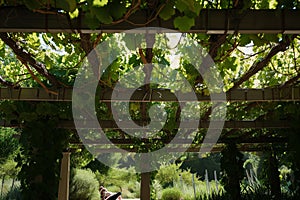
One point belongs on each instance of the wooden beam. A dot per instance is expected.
(35, 94)
(215, 149)
(236, 95)
(240, 140)
(214, 21)
(110, 124)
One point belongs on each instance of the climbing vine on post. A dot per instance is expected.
(232, 165)
(42, 144)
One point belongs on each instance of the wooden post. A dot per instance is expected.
(145, 186)
(63, 190)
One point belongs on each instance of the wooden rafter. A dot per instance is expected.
(215, 149)
(110, 124)
(249, 141)
(236, 95)
(19, 19)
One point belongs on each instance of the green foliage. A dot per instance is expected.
(67, 5)
(171, 194)
(232, 164)
(117, 9)
(13, 194)
(8, 144)
(102, 15)
(184, 23)
(32, 5)
(288, 4)
(99, 3)
(84, 185)
(166, 175)
(42, 145)
(257, 194)
(123, 180)
(97, 166)
(168, 11)
(9, 169)
(80, 158)
(156, 189)
(41, 148)
(198, 165)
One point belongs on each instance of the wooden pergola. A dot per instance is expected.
(236, 95)
(18, 19)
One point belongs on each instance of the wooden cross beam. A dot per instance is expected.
(236, 95)
(214, 21)
(110, 124)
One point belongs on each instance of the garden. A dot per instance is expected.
(171, 100)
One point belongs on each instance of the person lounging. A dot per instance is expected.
(106, 195)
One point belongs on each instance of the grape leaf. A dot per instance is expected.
(167, 12)
(74, 14)
(32, 4)
(134, 60)
(132, 41)
(182, 5)
(256, 40)
(102, 14)
(198, 8)
(100, 3)
(63, 4)
(244, 40)
(184, 23)
(271, 37)
(91, 21)
(187, 6)
(117, 9)
(72, 5)
(224, 3)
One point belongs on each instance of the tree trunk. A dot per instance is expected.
(274, 179)
(145, 186)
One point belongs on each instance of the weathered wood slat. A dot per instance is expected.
(216, 149)
(241, 140)
(109, 124)
(20, 19)
(237, 95)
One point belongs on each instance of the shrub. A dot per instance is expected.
(156, 190)
(84, 185)
(120, 180)
(166, 175)
(171, 194)
(13, 194)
